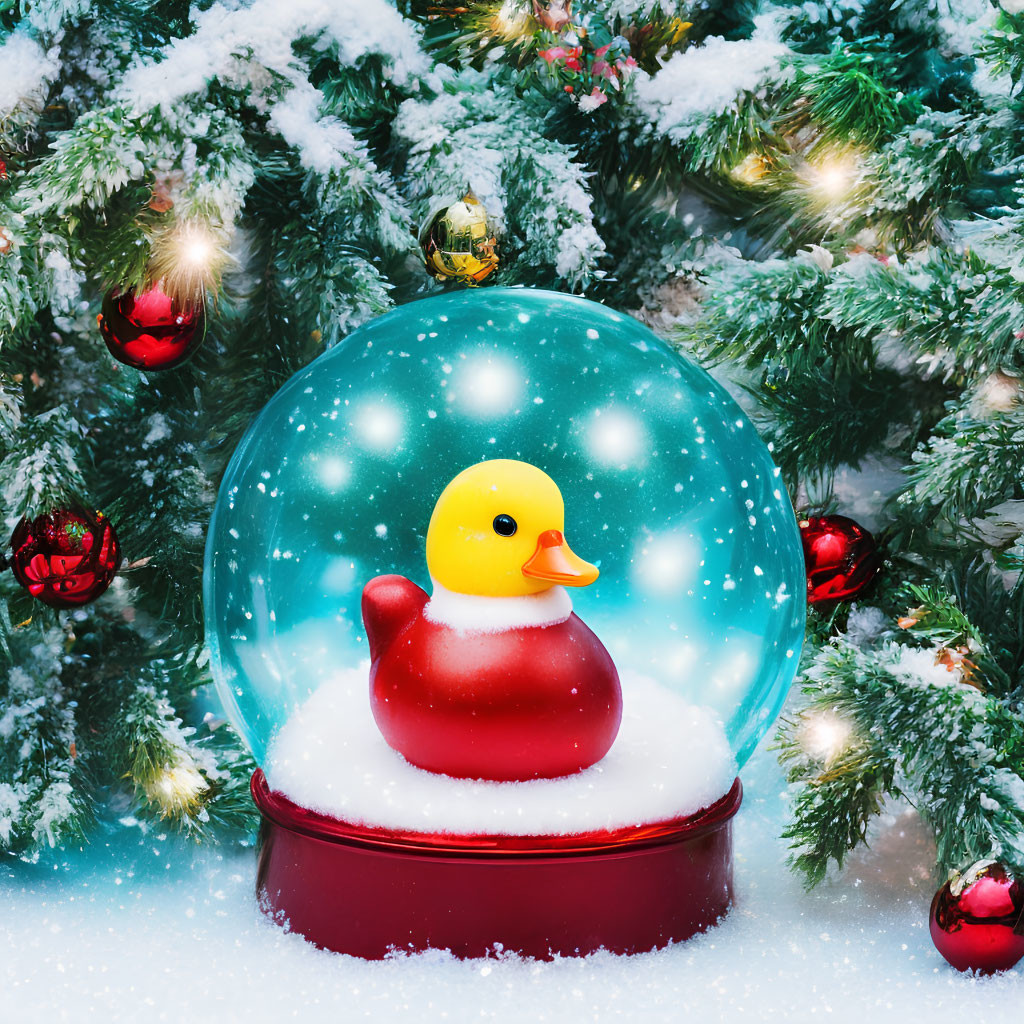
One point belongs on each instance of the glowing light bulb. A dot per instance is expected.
(824, 735)
(750, 170)
(194, 245)
(187, 260)
(510, 20)
(834, 177)
(177, 789)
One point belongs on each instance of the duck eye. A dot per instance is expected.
(504, 525)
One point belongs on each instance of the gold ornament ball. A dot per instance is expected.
(457, 242)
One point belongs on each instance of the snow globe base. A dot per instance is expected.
(370, 891)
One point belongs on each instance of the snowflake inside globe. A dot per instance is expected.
(643, 533)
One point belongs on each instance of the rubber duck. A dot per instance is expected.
(493, 676)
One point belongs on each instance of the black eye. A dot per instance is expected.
(504, 525)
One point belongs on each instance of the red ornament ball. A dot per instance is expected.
(65, 558)
(841, 557)
(977, 919)
(148, 330)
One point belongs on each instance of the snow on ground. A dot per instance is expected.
(669, 759)
(161, 931)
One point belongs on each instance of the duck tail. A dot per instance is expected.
(390, 603)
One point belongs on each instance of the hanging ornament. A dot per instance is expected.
(457, 242)
(66, 557)
(841, 557)
(977, 919)
(148, 331)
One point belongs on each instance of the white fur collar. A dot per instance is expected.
(470, 613)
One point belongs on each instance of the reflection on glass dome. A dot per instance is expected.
(667, 489)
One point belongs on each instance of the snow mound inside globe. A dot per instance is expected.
(667, 489)
(330, 758)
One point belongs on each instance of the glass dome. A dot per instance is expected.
(667, 488)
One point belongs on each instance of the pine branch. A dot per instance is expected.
(42, 468)
(42, 803)
(956, 308)
(820, 420)
(969, 464)
(834, 800)
(845, 101)
(953, 752)
(769, 312)
(196, 786)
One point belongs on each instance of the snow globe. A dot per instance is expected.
(502, 592)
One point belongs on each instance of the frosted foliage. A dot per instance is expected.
(10, 414)
(669, 760)
(430, 130)
(48, 15)
(28, 472)
(264, 33)
(916, 666)
(947, 732)
(184, 755)
(707, 79)
(121, 928)
(26, 70)
(275, 82)
(37, 726)
(64, 284)
(866, 624)
(100, 155)
(321, 142)
(561, 231)
(967, 22)
(638, 11)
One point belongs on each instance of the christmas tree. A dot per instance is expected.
(819, 201)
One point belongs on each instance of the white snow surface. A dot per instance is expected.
(26, 70)
(669, 759)
(238, 43)
(707, 79)
(155, 928)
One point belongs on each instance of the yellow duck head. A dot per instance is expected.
(497, 531)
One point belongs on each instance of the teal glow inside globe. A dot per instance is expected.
(667, 488)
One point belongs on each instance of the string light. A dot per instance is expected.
(824, 735)
(187, 259)
(833, 178)
(750, 170)
(177, 789)
(511, 22)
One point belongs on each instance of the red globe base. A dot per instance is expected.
(368, 891)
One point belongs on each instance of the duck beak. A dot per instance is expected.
(554, 561)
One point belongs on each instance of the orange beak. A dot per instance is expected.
(554, 561)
